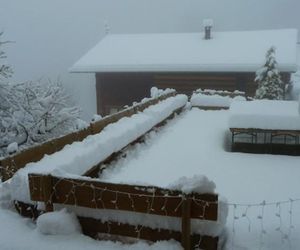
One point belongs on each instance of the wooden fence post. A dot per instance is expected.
(186, 223)
(48, 189)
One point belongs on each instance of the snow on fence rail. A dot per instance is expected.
(10, 165)
(209, 99)
(138, 199)
(80, 157)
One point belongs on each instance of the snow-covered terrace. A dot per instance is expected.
(235, 51)
(197, 142)
(262, 190)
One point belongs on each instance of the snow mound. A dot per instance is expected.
(81, 124)
(196, 184)
(12, 148)
(58, 223)
(96, 118)
(155, 92)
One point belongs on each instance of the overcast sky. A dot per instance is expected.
(50, 35)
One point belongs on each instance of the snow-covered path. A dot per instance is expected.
(195, 143)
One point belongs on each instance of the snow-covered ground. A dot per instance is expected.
(258, 187)
(197, 142)
(18, 233)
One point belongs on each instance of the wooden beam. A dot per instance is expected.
(48, 192)
(186, 224)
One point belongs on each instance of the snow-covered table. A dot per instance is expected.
(274, 124)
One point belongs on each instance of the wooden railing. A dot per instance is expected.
(10, 165)
(138, 199)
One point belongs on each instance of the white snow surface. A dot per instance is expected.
(155, 92)
(265, 114)
(96, 118)
(18, 233)
(12, 148)
(79, 157)
(197, 142)
(58, 223)
(198, 183)
(242, 51)
(213, 100)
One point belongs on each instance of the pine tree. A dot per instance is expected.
(270, 85)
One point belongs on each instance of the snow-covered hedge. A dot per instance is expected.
(79, 157)
(219, 92)
(265, 114)
(213, 100)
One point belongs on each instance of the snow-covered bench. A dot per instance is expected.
(265, 126)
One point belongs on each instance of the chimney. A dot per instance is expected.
(207, 23)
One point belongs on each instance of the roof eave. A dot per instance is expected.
(286, 68)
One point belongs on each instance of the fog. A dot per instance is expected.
(49, 36)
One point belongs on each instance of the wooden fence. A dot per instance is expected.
(11, 164)
(139, 199)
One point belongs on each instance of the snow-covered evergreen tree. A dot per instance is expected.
(270, 85)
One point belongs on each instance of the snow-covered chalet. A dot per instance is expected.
(126, 66)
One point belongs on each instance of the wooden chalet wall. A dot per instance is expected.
(114, 90)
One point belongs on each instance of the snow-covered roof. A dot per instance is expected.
(235, 51)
